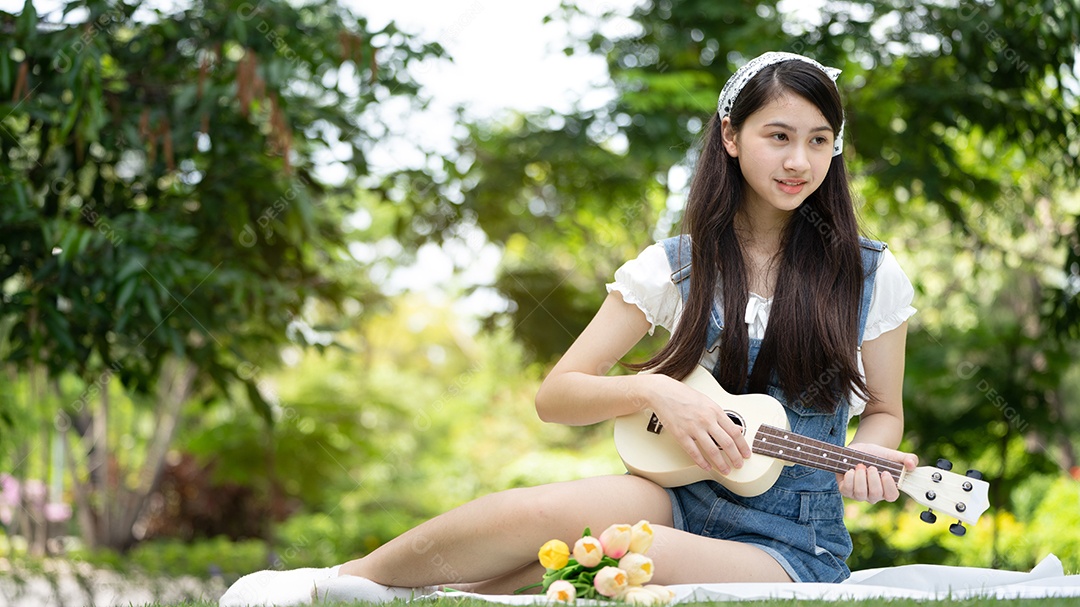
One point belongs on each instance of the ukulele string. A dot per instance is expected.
(817, 454)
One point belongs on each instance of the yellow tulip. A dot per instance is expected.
(636, 595)
(641, 537)
(554, 554)
(638, 568)
(663, 593)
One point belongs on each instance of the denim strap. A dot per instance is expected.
(678, 254)
(678, 250)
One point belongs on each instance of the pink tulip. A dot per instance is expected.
(610, 581)
(588, 551)
(616, 540)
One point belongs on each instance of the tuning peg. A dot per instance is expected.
(975, 474)
(928, 516)
(944, 464)
(957, 529)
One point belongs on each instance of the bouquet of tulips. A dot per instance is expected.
(613, 566)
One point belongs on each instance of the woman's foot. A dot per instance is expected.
(359, 589)
(277, 588)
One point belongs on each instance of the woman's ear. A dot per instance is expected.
(727, 132)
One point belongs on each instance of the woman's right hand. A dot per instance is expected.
(699, 425)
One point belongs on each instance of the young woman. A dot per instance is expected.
(770, 288)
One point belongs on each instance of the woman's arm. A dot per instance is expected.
(881, 425)
(578, 392)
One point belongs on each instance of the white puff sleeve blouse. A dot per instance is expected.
(646, 283)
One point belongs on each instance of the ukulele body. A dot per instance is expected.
(647, 451)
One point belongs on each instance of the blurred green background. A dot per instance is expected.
(208, 370)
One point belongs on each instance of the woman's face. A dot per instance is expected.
(784, 151)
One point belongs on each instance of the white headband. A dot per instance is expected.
(743, 75)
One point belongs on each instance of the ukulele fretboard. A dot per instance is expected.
(798, 449)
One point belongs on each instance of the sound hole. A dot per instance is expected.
(739, 421)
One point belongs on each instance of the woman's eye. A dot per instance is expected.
(820, 140)
(780, 136)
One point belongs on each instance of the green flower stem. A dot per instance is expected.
(525, 589)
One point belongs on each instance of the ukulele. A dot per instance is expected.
(648, 452)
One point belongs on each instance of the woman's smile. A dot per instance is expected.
(791, 186)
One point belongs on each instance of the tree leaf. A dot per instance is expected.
(148, 294)
(127, 289)
(258, 402)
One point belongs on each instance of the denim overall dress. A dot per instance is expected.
(799, 521)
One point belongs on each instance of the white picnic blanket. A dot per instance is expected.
(1047, 579)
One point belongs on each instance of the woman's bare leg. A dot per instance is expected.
(507, 583)
(489, 545)
(494, 535)
(679, 557)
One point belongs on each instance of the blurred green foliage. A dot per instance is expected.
(1004, 539)
(160, 203)
(962, 139)
(160, 194)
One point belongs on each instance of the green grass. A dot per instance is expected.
(468, 602)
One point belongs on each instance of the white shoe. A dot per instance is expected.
(277, 588)
(358, 589)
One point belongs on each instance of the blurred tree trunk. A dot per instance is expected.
(109, 508)
(84, 512)
(1056, 399)
(21, 521)
(33, 500)
(174, 390)
(39, 545)
(101, 478)
(274, 495)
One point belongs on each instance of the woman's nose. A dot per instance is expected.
(797, 160)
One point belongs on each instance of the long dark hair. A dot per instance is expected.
(811, 339)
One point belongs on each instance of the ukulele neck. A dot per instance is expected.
(798, 449)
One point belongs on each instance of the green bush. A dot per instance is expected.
(305, 540)
(201, 558)
(174, 558)
(323, 540)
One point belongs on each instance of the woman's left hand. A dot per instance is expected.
(870, 484)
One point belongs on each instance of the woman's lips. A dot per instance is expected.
(791, 186)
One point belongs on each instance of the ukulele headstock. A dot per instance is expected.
(963, 497)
